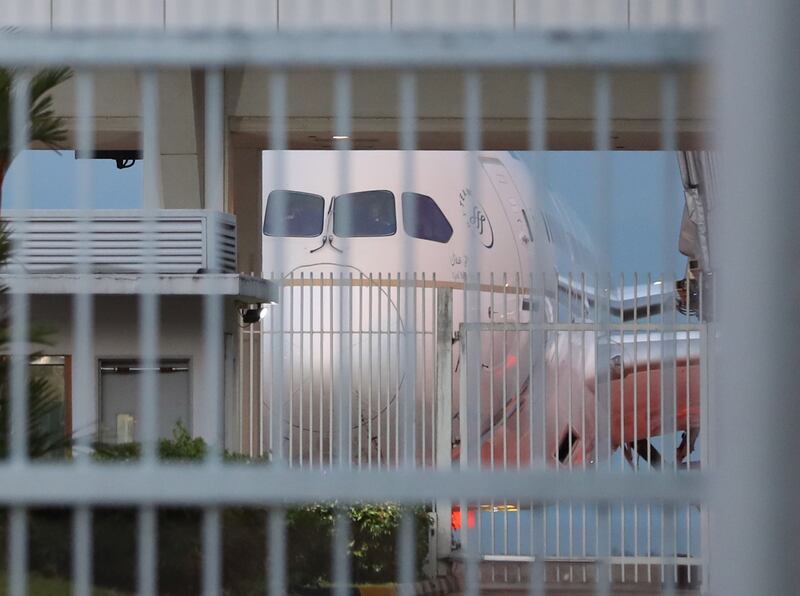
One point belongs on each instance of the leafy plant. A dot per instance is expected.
(43, 401)
(373, 547)
(181, 447)
(310, 533)
(44, 126)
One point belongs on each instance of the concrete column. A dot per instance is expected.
(243, 198)
(181, 137)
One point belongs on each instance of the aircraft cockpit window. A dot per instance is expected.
(423, 219)
(366, 213)
(296, 214)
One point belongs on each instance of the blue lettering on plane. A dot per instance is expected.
(476, 218)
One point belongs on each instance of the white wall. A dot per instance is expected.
(353, 14)
(116, 336)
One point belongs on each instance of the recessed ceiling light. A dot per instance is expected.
(340, 137)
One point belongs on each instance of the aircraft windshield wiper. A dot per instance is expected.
(324, 240)
(330, 241)
(327, 237)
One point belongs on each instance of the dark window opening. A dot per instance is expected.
(527, 224)
(291, 213)
(423, 219)
(547, 229)
(367, 213)
(568, 440)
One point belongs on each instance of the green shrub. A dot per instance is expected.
(373, 546)
(310, 532)
(181, 447)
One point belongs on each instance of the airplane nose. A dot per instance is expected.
(340, 330)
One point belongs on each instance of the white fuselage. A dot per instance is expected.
(343, 309)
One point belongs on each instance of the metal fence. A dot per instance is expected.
(655, 388)
(614, 518)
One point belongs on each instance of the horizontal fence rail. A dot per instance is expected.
(283, 15)
(169, 485)
(359, 50)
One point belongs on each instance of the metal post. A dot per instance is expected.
(755, 542)
(444, 419)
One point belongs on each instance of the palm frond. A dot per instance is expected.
(46, 127)
(44, 402)
(6, 83)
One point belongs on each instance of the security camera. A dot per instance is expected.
(253, 313)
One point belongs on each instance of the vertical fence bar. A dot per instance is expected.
(240, 392)
(261, 336)
(602, 107)
(278, 97)
(251, 409)
(347, 339)
(342, 138)
(399, 353)
(149, 300)
(537, 114)
(276, 550)
(83, 350)
(20, 300)
(17, 421)
(83, 357)
(147, 528)
(212, 551)
(213, 324)
(444, 418)
(754, 230)
(381, 453)
(410, 215)
(470, 441)
(669, 107)
(301, 421)
(373, 450)
(705, 426)
(406, 550)
(341, 556)
(407, 414)
(148, 328)
(490, 506)
(312, 310)
(18, 551)
(648, 432)
(213, 302)
(82, 550)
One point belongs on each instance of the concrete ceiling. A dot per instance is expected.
(635, 109)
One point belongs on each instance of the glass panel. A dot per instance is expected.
(423, 219)
(120, 396)
(368, 213)
(292, 213)
(48, 403)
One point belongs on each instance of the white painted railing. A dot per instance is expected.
(174, 240)
(636, 389)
